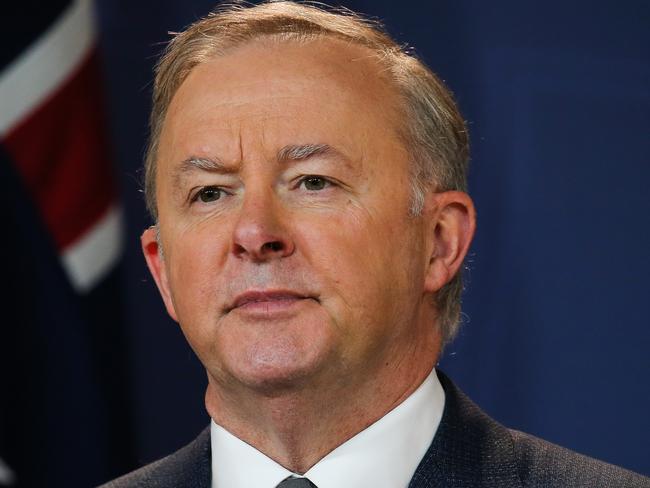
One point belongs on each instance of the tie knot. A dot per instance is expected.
(296, 483)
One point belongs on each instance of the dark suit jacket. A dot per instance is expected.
(469, 450)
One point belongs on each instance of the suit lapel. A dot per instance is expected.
(192, 464)
(469, 448)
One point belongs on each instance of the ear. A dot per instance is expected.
(453, 221)
(156, 263)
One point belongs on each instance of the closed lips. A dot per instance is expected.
(256, 297)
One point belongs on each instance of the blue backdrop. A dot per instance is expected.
(556, 335)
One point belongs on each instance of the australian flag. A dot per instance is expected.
(63, 405)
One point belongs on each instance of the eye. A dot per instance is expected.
(315, 183)
(208, 194)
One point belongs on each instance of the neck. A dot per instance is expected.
(298, 427)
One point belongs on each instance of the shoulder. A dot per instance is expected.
(541, 463)
(472, 449)
(187, 467)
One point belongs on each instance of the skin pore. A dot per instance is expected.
(291, 262)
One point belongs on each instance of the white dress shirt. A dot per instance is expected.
(384, 455)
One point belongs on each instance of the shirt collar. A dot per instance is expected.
(384, 455)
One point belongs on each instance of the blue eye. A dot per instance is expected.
(315, 183)
(209, 194)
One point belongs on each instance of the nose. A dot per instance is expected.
(259, 233)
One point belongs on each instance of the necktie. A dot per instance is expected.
(296, 483)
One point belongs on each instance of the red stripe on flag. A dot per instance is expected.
(61, 151)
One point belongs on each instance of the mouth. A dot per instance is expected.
(267, 300)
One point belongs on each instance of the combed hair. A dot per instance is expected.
(433, 130)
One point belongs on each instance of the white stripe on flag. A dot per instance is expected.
(87, 260)
(7, 477)
(41, 68)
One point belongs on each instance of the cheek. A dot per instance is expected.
(194, 264)
(364, 261)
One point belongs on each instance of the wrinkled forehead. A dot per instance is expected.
(322, 52)
(284, 86)
(356, 69)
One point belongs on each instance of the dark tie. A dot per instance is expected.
(296, 483)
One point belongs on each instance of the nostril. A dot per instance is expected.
(273, 246)
(239, 249)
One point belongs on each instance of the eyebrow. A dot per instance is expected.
(290, 153)
(204, 164)
(300, 152)
(193, 163)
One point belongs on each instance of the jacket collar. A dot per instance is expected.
(469, 449)
(194, 459)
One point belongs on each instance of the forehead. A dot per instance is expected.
(282, 91)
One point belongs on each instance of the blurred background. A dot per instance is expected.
(96, 380)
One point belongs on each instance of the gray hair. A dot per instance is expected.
(433, 130)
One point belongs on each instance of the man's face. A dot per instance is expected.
(283, 193)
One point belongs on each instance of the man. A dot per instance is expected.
(307, 179)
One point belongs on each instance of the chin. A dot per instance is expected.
(275, 382)
(279, 364)
(270, 381)
(272, 355)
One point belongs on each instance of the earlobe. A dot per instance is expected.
(155, 263)
(453, 220)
